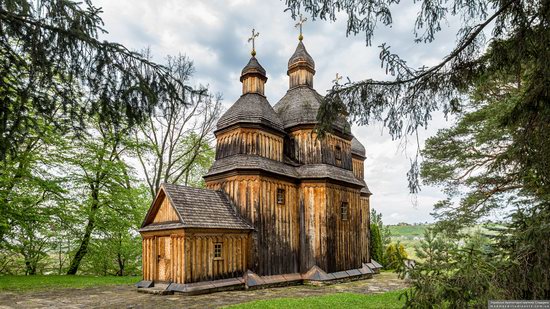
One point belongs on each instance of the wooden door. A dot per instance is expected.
(163, 258)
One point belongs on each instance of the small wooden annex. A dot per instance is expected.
(278, 200)
(185, 242)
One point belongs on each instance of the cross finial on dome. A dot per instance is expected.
(337, 79)
(300, 23)
(253, 39)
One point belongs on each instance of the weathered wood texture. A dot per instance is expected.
(365, 229)
(148, 258)
(166, 212)
(249, 141)
(358, 168)
(327, 240)
(188, 256)
(200, 263)
(254, 84)
(164, 257)
(275, 248)
(300, 76)
(307, 149)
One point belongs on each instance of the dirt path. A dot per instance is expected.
(127, 297)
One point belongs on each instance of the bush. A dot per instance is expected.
(394, 256)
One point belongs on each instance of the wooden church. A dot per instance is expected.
(278, 200)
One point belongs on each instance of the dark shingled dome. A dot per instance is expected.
(253, 66)
(300, 106)
(357, 147)
(251, 108)
(301, 54)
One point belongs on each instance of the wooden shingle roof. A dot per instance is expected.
(200, 208)
(300, 106)
(251, 108)
(358, 148)
(251, 162)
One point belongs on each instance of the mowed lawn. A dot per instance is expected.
(339, 300)
(25, 283)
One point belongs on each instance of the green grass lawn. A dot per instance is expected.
(339, 300)
(38, 282)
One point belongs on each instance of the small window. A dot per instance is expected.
(338, 153)
(218, 250)
(280, 196)
(344, 210)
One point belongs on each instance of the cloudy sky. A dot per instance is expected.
(214, 34)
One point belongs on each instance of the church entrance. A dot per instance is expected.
(163, 259)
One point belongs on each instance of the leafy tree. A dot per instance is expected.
(101, 184)
(174, 145)
(56, 72)
(520, 35)
(394, 256)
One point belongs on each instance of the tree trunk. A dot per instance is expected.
(120, 265)
(83, 249)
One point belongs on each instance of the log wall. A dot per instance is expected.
(200, 264)
(327, 240)
(275, 247)
(365, 229)
(192, 254)
(298, 77)
(148, 258)
(253, 84)
(249, 141)
(358, 168)
(310, 150)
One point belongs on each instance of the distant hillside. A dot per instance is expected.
(407, 231)
(409, 236)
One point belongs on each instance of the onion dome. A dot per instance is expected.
(301, 68)
(357, 148)
(253, 67)
(252, 107)
(301, 58)
(300, 106)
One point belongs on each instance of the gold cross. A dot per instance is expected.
(338, 77)
(300, 22)
(253, 38)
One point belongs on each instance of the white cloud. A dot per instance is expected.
(214, 35)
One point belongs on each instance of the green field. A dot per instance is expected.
(408, 231)
(37, 282)
(409, 236)
(339, 300)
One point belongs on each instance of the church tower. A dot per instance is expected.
(279, 199)
(250, 167)
(305, 196)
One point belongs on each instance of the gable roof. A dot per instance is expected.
(199, 208)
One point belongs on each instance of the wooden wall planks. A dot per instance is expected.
(307, 149)
(249, 141)
(276, 247)
(166, 212)
(200, 263)
(358, 168)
